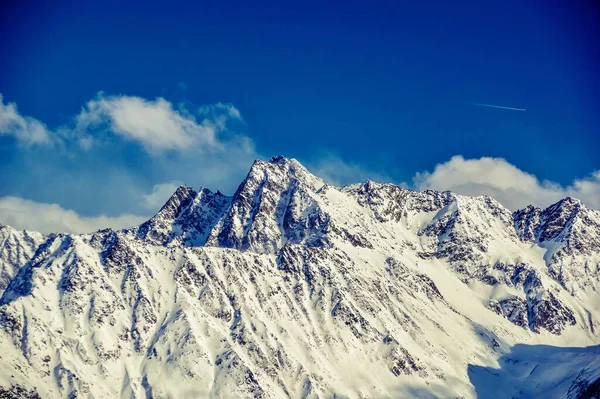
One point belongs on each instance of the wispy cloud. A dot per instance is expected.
(339, 172)
(27, 130)
(159, 195)
(496, 106)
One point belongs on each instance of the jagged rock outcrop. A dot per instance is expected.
(186, 219)
(569, 232)
(16, 248)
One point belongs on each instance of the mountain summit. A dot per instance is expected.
(295, 288)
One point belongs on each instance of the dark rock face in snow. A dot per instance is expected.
(16, 248)
(185, 219)
(570, 232)
(295, 288)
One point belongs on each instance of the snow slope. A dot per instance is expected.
(295, 288)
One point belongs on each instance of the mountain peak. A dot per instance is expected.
(186, 217)
(563, 213)
(572, 200)
(567, 202)
(265, 205)
(533, 223)
(279, 166)
(279, 160)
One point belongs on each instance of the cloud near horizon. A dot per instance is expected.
(495, 177)
(24, 214)
(119, 157)
(159, 195)
(195, 145)
(511, 186)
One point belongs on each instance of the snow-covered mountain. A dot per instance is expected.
(295, 288)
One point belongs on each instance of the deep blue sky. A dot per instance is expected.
(382, 84)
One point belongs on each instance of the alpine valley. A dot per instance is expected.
(293, 288)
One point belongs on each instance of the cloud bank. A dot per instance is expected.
(120, 155)
(511, 186)
(22, 213)
(197, 145)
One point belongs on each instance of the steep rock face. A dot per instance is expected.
(569, 231)
(544, 310)
(474, 234)
(389, 202)
(229, 323)
(513, 308)
(585, 387)
(538, 309)
(282, 289)
(527, 223)
(16, 248)
(274, 204)
(464, 230)
(186, 218)
(450, 226)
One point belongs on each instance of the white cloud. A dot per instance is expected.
(155, 124)
(22, 213)
(513, 187)
(203, 150)
(159, 195)
(587, 190)
(219, 111)
(338, 172)
(25, 129)
(188, 143)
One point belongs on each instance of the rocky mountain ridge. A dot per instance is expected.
(295, 288)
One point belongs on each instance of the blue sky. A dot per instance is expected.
(353, 90)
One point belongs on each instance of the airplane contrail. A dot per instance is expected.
(496, 106)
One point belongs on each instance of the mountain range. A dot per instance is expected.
(294, 288)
